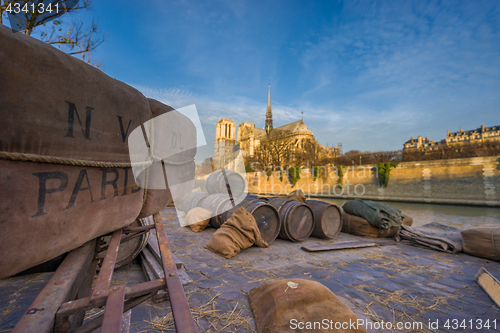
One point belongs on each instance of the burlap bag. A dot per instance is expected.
(64, 157)
(358, 226)
(239, 232)
(198, 218)
(277, 308)
(483, 241)
(297, 195)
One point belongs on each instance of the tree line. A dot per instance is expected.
(440, 152)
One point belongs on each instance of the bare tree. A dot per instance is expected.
(73, 37)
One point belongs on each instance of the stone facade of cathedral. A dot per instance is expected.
(249, 138)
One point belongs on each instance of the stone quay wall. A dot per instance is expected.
(466, 181)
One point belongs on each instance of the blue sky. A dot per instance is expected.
(370, 74)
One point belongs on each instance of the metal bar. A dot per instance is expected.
(122, 240)
(228, 187)
(86, 303)
(95, 323)
(129, 237)
(40, 316)
(112, 319)
(180, 308)
(146, 227)
(108, 265)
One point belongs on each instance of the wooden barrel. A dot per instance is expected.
(277, 202)
(327, 218)
(131, 249)
(267, 218)
(216, 183)
(193, 200)
(219, 207)
(255, 196)
(212, 200)
(249, 198)
(297, 219)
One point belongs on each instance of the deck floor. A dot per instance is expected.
(398, 283)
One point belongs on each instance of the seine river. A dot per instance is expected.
(461, 217)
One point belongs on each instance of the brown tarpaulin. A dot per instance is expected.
(239, 232)
(277, 307)
(433, 235)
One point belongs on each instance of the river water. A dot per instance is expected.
(461, 217)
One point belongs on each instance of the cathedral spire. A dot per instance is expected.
(269, 114)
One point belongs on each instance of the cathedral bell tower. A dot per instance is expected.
(269, 114)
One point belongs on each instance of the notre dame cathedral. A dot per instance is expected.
(249, 137)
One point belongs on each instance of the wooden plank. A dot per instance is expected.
(153, 263)
(346, 245)
(155, 250)
(489, 284)
(158, 270)
(126, 321)
(162, 294)
(40, 316)
(185, 279)
(85, 291)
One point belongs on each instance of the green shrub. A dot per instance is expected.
(341, 173)
(294, 174)
(316, 172)
(384, 170)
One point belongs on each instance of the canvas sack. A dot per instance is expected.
(275, 305)
(239, 232)
(483, 241)
(198, 218)
(64, 159)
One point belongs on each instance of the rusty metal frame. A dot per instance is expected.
(61, 305)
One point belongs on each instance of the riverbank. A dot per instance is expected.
(467, 181)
